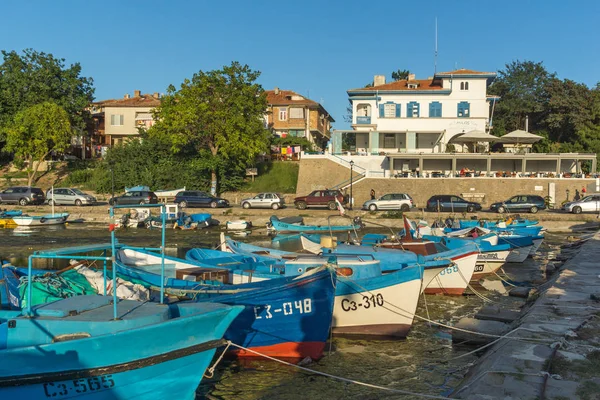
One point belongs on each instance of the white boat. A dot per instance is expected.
(238, 225)
(519, 254)
(135, 218)
(489, 262)
(168, 193)
(48, 219)
(452, 279)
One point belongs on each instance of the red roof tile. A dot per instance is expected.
(284, 97)
(423, 84)
(144, 100)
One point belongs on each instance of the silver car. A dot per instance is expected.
(390, 201)
(588, 203)
(264, 200)
(69, 196)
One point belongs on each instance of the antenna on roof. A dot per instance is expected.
(435, 54)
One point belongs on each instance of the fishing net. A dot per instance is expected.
(51, 287)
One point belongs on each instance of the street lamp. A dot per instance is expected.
(351, 165)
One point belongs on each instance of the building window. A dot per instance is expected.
(435, 109)
(296, 112)
(116, 119)
(412, 110)
(463, 109)
(389, 141)
(297, 133)
(464, 86)
(283, 114)
(389, 110)
(363, 110)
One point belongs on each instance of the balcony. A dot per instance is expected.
(363, 120)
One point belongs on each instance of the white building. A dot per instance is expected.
(420, 116)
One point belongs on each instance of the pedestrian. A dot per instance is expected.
(372, 194)
(577, 195)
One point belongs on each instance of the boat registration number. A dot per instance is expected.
(479, 267)
(289, 308)
(64, 388)
(367, 302)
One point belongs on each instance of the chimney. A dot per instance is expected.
(126, 96)
(411, 77)
(379, 80)
(156, 95)
(276, 90)
(137, 93)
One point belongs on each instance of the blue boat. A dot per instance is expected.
(193, 221)
(97, 347)
(10, 213)
(279, 226)
(283, 317)
(367, 301)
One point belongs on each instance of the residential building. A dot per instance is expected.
(122, 118)
(420, 115)
(292, 115)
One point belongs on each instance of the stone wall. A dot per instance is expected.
(493, 189)
(320, 173)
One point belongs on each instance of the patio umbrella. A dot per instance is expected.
(473, 137)
(519, 137)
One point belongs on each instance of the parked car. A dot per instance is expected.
(320, 198)
(446, 202)
(22, 195)
(196, 198)
(520, 203)
(140, 197)
(69, 196)
(589, 203)
(390, 201)
(264, 200)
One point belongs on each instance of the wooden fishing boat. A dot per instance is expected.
(238, 225)
(279, 226)
(43, 220)
(283, 317)
(168, 193)
(97, 347)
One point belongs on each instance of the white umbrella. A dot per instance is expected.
(473, 137)
(520, 137)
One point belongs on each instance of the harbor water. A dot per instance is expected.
(427, 362)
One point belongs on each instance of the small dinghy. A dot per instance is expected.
(238, 225)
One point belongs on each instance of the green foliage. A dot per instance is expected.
(37, 131)
(400, 74)
(280, 176)
(393, 215)
(219, 114)
(33, 77)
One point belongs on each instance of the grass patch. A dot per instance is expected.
(280, 176)
(393, 215)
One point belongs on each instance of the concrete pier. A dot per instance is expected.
(559, 354)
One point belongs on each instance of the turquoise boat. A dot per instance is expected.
(97, 347)
(276, 225)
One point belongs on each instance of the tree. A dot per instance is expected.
(220, 113)
(37, 131)
(35, 77)
(523, 92)
(400, 74)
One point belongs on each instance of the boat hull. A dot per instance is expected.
(281, 227)
(382, 306)
(519, 254)
(41, 221)
(536, 245)
(451, 280)
(488, 263)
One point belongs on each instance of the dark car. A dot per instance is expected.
(196, 198)
(140, 197)
(320, 198)
(520, 203)
(447, 202)
(22, 195)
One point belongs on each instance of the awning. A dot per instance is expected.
(143, 117)
(520, 137)
(473, 137)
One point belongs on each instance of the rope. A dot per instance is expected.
(211, 371)
(339, 378)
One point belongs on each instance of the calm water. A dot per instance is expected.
(422, 363)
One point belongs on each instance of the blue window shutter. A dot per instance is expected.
(398, 109)
(381, 111)
(439, 110)
(418, 106)
(409, 110)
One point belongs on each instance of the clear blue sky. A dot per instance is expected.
(319, 49)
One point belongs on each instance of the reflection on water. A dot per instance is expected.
(422, 363)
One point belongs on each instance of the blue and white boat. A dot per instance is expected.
(43, 220)
(283, 317)
(276, 225)
(97, 347)
(367, 300)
